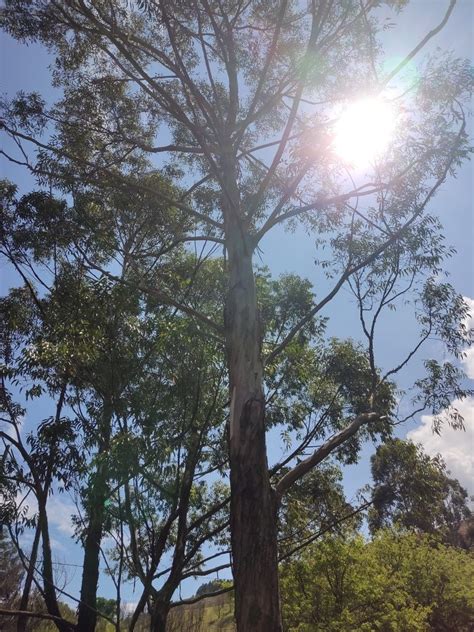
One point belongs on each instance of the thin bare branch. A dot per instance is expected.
(419, 46)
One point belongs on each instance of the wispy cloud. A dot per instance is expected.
(59, 510)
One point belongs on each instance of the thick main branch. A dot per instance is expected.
(322, 452)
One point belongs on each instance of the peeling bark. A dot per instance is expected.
(253, 502)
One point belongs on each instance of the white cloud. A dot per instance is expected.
(455, 446)
(468, 363)
(56, 545)
(469, 322)
(59, 511)
(59, 514)
(468, 360)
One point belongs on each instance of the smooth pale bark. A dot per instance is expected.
(253, 502)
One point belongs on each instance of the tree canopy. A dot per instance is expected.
(414, 491)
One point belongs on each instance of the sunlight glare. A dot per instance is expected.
(363, 131)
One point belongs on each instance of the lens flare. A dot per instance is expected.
(363, 131)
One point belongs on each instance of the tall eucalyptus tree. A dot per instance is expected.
(238, 101)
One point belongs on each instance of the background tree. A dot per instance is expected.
(33, 465)
(210, 587)
(237, 102)
(95, 332)
(109, 608)
(397, 581)
(414, 491)
(11, 573)
(316, 505)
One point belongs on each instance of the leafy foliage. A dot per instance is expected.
(212, 586)
(398, 582)
(414, 491)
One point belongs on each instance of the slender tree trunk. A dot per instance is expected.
(87, 615)
(253, 502)
(23, 621)
(87, 611)
(139, 609)
(49, 588)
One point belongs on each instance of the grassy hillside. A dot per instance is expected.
(213, 614)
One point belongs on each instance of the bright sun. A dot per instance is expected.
(363, 131)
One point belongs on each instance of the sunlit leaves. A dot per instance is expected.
(395, 582)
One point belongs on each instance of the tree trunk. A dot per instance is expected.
(253, 502)
(87, 611)
(139, 609)
(159, 616)
(25, 596)
(253, 528)
(87, 615)
(49, 588)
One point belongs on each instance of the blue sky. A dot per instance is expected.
(25, 67)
